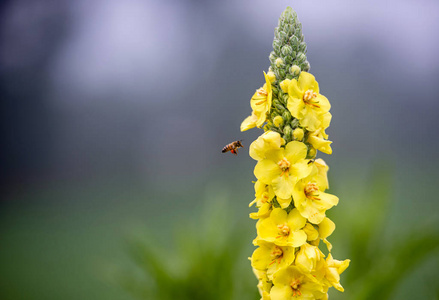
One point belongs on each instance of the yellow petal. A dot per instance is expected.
(326, 228)
(307, 81)
(328, 244)
(302, 169)
(283, 185)
(294, 151)
(326, 120)
(311, 232)
(269, 91)
(320, 144)
(268, 141)
(294, 90)
(279, 216)
(322, 175)
(249, 122)
(284, 203)
(295, 220)
(267, 230)
(310, 120)
(261, 257)
(312, 213)
(267, 171)
(323, 102)
(328, 200)
(295, 105)
(281, 292)
(297, 238)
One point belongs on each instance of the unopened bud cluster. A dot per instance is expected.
(291, 183)
(288, 57)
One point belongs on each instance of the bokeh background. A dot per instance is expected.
(114, 114)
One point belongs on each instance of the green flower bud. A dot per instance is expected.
(274, 89)
(283, 36)
(266, 127)
(299, 30)
(278, 121)
(295, 123)
(306, 66)
(288, 132)
(298, 134)
(286, 116)
(279, 62)
(291, 29)
(272, 57)
(295, 70)
(274, 114)
(278, 105)
(289, 47)
(301, 58)
(287, 50)
(282, 73)
(281, 93)
(271, 76)
(285, 98)
(294, 41)
(276, 46)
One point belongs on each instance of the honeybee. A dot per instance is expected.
(233, 147)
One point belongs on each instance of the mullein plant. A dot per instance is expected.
(291, 183)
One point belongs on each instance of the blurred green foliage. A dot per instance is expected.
(207, 259)
(382, 259)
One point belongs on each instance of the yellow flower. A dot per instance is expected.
(322, 173)
(308, 257)
(283, 167)
(311, 201)
(263, 196)
(319, 138)
(282, 229)
(290, 283)
(305, 103)
(269, 140)
(261, 101)
(261, 105)
(270, 257)
(334, 269)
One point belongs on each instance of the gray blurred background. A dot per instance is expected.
(114, 114)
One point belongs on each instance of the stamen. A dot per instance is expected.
(311, 191)
(284, 230)
(263, 92)
(284, 164)
(265, 197)
(308, 97)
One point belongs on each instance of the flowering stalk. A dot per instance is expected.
(290, 190)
